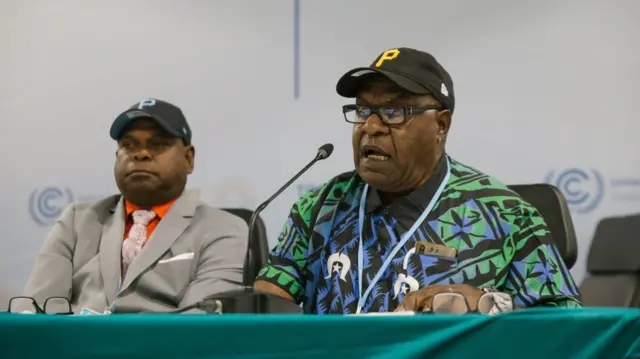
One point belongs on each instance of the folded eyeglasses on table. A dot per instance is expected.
(52, 305)
(455, 303)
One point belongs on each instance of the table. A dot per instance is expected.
(535, 333)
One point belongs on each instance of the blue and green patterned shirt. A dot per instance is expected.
(501, 242)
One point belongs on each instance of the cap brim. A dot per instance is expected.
(125, 118)
(351, 83)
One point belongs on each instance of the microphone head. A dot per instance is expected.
(325, 151)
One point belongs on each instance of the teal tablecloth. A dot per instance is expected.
(540, 334)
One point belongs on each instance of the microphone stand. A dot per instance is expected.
(250, 272)
(247, 300)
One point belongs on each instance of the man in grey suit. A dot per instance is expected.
(154, 247)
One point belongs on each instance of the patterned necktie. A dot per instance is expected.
(136, 238)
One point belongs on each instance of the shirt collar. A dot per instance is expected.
(420, 196)
(160, 210)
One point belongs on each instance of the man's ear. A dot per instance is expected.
(443, 119)
(190, 155)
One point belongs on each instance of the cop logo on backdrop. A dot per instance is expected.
(46, 204)
(586, 189)
(583, 189)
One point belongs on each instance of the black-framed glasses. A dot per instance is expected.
(51, 305)
(456, 303)
(389, 115)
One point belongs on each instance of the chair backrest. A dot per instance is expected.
(259, 249)
(614, 264)
(552, 205)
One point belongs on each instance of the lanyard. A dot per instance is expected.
(403, 240)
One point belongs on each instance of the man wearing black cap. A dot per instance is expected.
(154, 247)
(411, 228)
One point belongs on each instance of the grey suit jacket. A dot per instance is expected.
(194, 251)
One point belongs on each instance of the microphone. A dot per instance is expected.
(250, 272)
(324, 151)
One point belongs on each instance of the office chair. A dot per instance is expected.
(260, 248)
(246, 300)
(614, 264)
(552, 205)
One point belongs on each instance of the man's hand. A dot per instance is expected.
(266, 287)
(420, 301)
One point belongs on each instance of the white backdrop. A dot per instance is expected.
(546, 91)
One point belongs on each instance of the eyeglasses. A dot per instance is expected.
(52, 305)
(456, 303)
(390, 115)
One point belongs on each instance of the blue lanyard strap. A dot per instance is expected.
(403, 240)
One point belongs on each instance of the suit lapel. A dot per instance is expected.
(168, 230)
(110, 248)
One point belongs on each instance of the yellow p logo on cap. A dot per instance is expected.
(387, 55)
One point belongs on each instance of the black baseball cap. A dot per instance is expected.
(413, 70)
(168, 116)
